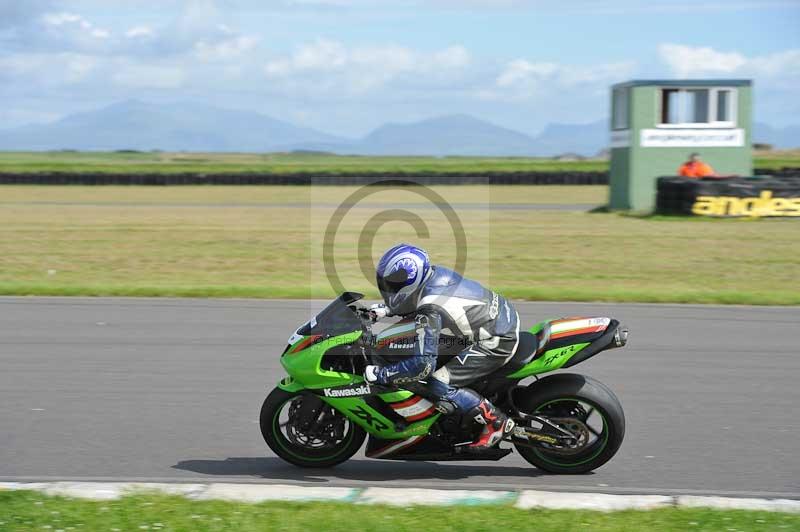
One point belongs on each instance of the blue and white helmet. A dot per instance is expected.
(400, 274)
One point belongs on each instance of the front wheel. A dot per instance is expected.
(323, 439)
(581, 405)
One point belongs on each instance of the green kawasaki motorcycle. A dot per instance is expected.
(321, 413)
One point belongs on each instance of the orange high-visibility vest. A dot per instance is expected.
(695, 169)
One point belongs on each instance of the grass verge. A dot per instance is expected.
(318, 164)
(118, 241)
(21, 510)
(731, 297)
(241, 196)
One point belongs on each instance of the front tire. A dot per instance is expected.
(338, 439)
(565, 396)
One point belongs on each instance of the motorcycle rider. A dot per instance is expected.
(443, 301)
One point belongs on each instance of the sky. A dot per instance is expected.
(348, 66)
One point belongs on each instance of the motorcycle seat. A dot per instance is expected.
(544, 338)
(530, 346)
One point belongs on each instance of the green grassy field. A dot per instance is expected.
(246, 195)
(275, 163)
(266, 242)
(153, 162)
(33, 511)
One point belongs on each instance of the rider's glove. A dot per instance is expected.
(378, 311)
(371, 374)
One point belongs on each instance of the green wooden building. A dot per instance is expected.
(657, 124)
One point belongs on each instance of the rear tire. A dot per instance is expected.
(565, 388)
(333, 454)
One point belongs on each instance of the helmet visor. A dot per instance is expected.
(392, 283)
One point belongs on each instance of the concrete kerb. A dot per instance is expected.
(523, 499)
(433, 497)
(591, 501)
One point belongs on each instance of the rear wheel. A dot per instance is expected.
(328, 440)
(584, 407)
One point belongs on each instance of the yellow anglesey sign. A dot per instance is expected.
(763, 205)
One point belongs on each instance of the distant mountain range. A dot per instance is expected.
(136, 125)
(446, 135)
(176, 127)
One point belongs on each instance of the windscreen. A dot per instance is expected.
(335, 319)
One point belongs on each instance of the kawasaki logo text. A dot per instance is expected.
(346, 392)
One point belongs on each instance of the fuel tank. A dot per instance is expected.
(398, 340)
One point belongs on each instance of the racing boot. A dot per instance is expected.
(496, 426)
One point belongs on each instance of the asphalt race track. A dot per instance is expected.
(170, 390)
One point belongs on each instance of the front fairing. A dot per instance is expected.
(337, 332)
(335, 326)
(305, 365)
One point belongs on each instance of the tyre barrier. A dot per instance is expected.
(786, 171)
(494, 178)
(752, 197)
(302, 178)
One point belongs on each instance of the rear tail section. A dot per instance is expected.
(599, 333)
(577, 326)
(568, 341)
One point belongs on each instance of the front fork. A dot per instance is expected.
(308, 413)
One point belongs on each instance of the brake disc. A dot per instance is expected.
(577, 428)
(318, 437)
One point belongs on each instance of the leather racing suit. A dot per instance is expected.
(463, 310)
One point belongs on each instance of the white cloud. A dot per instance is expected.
(79, 66)
(61, 19)
(139, 32)
(490, 4)
(779, 65)
(780, 69)
(685, 61)
(452, 57)
(329, 3)
(343, 5)
(195, 36)
(322, 55)
(70, 25)
(69, 51)
(574, 7)
(225, 49)
(521, 79)
(522, 71)
(20, 116)
(198, 17)
(64, 68)
(363, 68)
(15, 13)
(59, 32)
(584, 7)
(199, 30)
(149, 76)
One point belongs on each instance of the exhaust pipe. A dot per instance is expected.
(621, 336)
